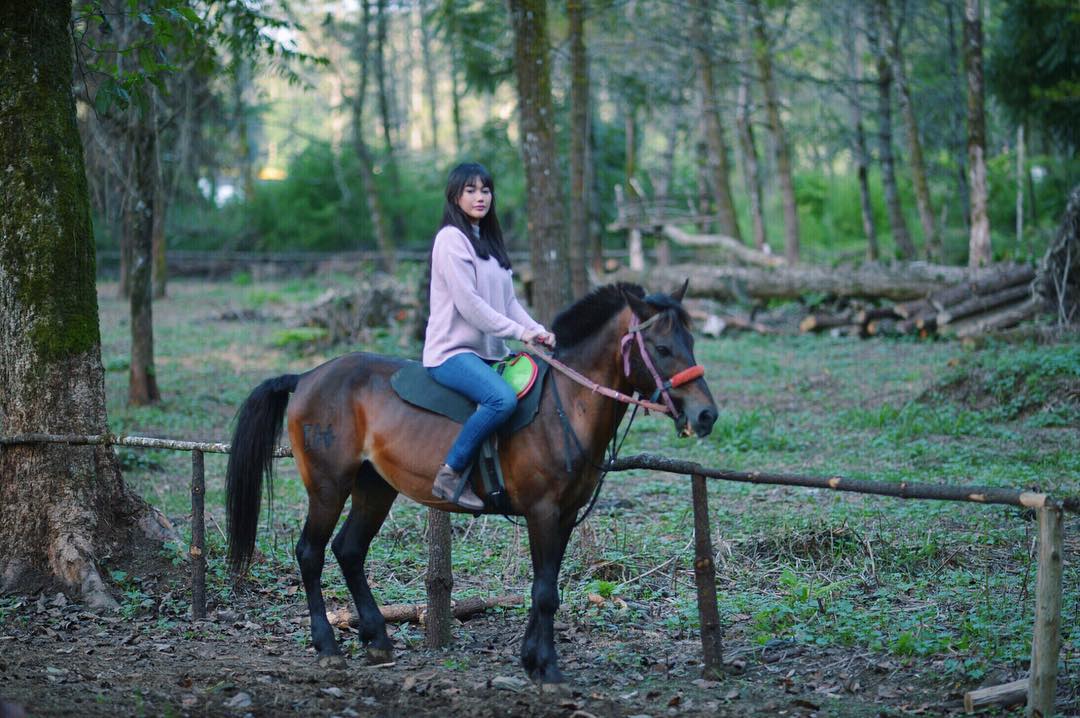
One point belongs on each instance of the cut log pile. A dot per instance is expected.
(966, 309)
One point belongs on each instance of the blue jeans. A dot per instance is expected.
(470, 375)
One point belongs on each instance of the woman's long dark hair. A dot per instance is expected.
(490, 242)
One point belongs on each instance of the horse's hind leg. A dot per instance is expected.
(371, 501)
(323, 511)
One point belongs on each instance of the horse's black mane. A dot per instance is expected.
(586, 316)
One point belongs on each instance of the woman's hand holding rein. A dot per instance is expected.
(545, 338)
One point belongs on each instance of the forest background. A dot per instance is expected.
(338, 135)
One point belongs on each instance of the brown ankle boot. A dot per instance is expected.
(446, 483)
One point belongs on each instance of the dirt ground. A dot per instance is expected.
(56, 658)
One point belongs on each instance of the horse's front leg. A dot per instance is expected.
(548, 535)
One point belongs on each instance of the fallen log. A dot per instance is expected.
(896, 283)
(869, 315)
(909, 310)
(982, 304)
(1002, 696)
(820, 321)
(728, 244)
(1004, 318)
(417, 613)
(1006, 277)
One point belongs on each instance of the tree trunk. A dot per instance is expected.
(380, 79)
(455, 98)
(579, 132)
(891, 35)
(931, 244)
(719, 171)
(1020, 186)
(859, 139)
(957, 141)
(158, 249)
(397, 222)
(634, 246)
(776, 127)
(142, 378)
(427, 38)
(745, 127)
(543, 187)
(979, 237)
(904, 247)
(376, 216)
(60, 506)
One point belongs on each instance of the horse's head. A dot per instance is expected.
(659, 351)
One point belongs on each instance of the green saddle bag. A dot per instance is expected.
(519, 371)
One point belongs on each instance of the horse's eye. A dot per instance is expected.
(663, 350)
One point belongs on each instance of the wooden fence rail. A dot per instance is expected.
(1046, 637)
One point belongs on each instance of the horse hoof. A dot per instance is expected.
(377, 656)
(555, 690)
(332, 662)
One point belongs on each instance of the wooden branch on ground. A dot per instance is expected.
(1002, 696)
(417, 613)
(729, 244)
(901, 490)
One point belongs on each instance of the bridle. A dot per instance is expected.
(663, 387)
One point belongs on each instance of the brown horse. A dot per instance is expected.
(352, 435)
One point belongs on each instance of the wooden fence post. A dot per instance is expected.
(1046, 641)
(712, 647)
(198, 536)
(439, 580)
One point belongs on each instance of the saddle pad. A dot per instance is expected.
(415, 386)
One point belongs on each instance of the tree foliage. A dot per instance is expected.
(1034, 66)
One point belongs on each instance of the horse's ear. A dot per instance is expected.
(679, 293)
(639, 306)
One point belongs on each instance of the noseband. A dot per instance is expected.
(663, 387)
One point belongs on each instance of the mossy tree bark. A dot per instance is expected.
(545, 205)
(60, 506)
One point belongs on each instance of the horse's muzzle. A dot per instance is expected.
(702, 424)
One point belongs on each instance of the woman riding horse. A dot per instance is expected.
(352, 436)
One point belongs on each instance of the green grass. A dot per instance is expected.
(921, 581)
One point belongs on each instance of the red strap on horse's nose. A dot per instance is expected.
(687, 375)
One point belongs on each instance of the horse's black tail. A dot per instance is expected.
(258, 430)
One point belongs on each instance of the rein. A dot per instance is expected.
(596, 388)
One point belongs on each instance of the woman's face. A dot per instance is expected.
(475, 200)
